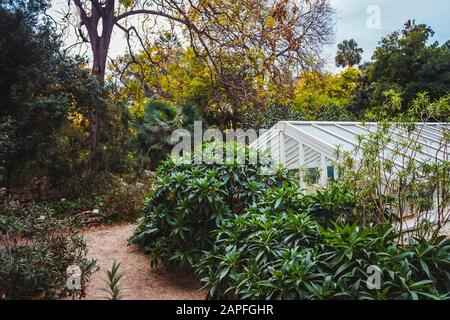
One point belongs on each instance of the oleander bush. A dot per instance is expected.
(331, 204)
(189, 200)
(273, 251)
(41, 254)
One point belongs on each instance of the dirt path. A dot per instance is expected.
(140, 282)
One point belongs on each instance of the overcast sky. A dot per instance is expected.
(352, 17)
(351, 21)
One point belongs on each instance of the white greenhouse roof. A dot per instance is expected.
(311, 145)
(326, 137)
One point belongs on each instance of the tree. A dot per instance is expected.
(348, 54)
(174, 74)
(40, 87)
(154, 129)
(405, 62)
(268, 33)
(325, 96)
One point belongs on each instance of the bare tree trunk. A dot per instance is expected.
(98, 70)
(99, 46)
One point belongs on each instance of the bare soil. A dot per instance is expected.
(140, 281)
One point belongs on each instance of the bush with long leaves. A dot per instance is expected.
(42, 256)
(113, 282)
(188, 201)
(277, 250)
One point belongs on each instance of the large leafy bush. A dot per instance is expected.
(40, 253)
(189, 200)
(278, 251)
(255, 249)
(333, 204)
(417, 269)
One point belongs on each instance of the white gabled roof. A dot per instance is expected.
(327, 136)
(288, 138)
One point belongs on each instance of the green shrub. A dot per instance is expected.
(272, 251)
(122, 200)
(331, 204)
(189, 200)
(255, 252)
(6, 125)
(39, 254)
(118, 198)
(418, 269)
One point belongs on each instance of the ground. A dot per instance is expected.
(140, 282)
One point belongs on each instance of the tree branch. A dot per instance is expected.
(187, 23)
(83, 15)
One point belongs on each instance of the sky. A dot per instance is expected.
(366, 21)
(352, 17)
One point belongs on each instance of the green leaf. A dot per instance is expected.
(425, 268)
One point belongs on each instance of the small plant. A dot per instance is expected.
(113, 278)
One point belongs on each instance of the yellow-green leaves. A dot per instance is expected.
(127, 3)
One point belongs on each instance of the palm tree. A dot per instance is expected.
(348, 54)
(154, 130)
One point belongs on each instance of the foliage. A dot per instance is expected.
(188, 201)
(154, 129)
(171, 73)
(279, 252)
(332, 204)
(233, 62)
(261, 254)
(39, 251)
(113, 278)
(387, 181)
(122, 201)
(266, 119)
(5, 143)
(348, 54)
(47, 90)
(117, 198)
(350, 250)
(165, 71)
(30, 9)
(325, 96)
(405, 62)
(421, 109)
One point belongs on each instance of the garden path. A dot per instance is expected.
(140, 282)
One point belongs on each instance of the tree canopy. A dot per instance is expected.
(41, 88)
(348, 54)
(261, 38)
(325, 96)
(406, 62)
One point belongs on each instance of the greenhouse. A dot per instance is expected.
(313, 145)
